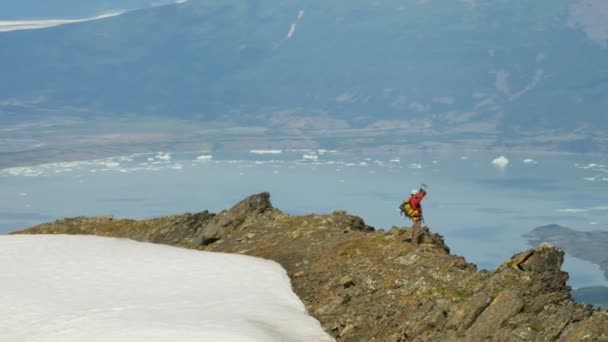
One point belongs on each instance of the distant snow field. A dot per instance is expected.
(85, 288)
(15, 25)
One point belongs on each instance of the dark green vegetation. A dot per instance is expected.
(510, 74)
(596, 295)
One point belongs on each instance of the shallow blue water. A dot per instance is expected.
(481, 209)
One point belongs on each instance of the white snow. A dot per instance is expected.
(86, 288)
(292, 28)
(15, 25)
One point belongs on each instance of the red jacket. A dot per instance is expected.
(415, 201)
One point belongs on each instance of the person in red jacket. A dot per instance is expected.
(415, 202)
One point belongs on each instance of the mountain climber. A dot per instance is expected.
(412, 208)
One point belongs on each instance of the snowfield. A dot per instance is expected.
(86, 288)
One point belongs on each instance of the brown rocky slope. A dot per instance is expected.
(365, 285)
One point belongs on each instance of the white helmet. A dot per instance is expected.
(414, 192)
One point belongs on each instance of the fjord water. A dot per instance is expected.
(480, 208)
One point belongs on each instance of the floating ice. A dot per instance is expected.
(501, 162)
(266, 151)
(310, 157)
(582, 210)
(163, 156)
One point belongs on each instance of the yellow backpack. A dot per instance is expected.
(407, 210)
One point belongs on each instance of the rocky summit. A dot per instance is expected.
(369, 285)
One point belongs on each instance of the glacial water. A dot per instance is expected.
(480, 207)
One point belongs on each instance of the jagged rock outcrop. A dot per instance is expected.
(367, 285)
(590, 246)
(246, 211)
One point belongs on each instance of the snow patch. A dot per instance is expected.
(16, 25)
(86, 288)
(292, 29)
(502, 84)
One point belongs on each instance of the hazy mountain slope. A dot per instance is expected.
(457, 66)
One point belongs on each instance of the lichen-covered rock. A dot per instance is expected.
(367, 285)
(247, 209)
(182, 229)
(504, 306)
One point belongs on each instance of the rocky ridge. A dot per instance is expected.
(367, 285)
